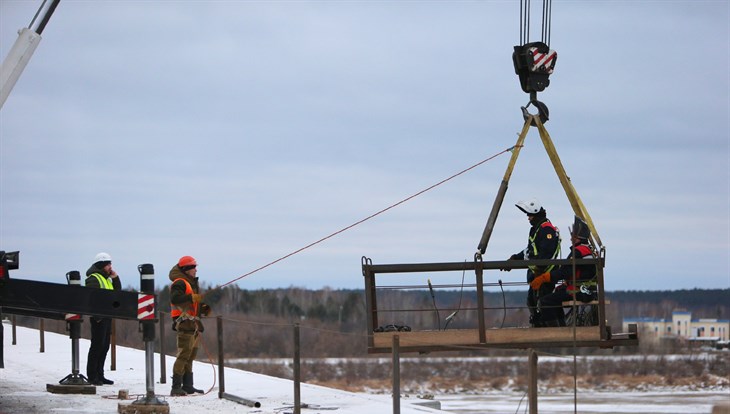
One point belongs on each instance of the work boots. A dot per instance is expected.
(188, 384)
(177, 387)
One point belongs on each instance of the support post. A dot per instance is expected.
(396, 374)
(480, 299)
(73, 383)
(221, 367)
(532, 381)
(163, 351)
(297, 372)
(42, 333)
(113, 346)
(15, 335)
(147, 314)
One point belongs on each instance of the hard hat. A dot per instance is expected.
(529, 207)
(102, 257)
(187, 261)
(580, 229)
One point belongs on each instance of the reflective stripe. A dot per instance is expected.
(192, 311)
(104, 283)
(534, 246)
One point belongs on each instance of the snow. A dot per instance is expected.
(27, 371)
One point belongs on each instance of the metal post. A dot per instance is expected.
(163, 352)
(15, 337)
(74, 381)
(147, 314)
(396, 374)
(147, 285)
(532, 381)
(221, 376)
(297, 372)
(42, 333)
(480, 300)
(113, 345)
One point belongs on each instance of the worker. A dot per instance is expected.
(100, 275)
(551, 305)
(186, 310)
(543, 243)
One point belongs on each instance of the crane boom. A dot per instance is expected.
(22, 50)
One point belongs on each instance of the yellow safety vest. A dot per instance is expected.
(104, 283)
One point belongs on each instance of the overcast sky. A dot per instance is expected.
(239, 132)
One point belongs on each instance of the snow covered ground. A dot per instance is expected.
(27, 371)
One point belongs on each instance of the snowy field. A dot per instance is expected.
(27, 371)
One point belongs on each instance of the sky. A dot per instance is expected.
(239, 132)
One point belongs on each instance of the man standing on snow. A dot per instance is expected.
(100, 276)
(186, 310)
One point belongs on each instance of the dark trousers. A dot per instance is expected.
(551, 305)
(101, 331)
(533, 296)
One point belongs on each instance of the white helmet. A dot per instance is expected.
(102, 257)
(529, 207)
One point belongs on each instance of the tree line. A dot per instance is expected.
(259, 323)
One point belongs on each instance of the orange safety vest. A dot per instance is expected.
(192, 311)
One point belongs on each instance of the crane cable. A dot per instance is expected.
(547, 11)
(366, 218)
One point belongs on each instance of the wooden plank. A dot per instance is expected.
(496, 337)
(540, 335)
(70, 389)
(427, 338)
(143, 409)
(579, 303)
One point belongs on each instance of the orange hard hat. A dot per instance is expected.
(187, 261)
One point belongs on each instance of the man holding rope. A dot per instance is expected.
(186, 310)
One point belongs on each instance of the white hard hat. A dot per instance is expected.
(529, 207)
(102, 257)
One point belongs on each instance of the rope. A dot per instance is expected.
(366, 218)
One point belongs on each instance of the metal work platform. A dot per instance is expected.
(481, 336)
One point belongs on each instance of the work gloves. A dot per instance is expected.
(204, 309)
(539, 280)
(196, 297)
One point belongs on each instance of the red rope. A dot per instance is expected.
(368, 217)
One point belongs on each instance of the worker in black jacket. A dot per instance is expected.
(543, 243)
(100, 275)
(551, 305)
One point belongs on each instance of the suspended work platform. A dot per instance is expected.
(583, 331)
(414, 339)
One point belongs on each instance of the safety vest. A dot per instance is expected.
(104, 283)
(534, 246)
(192, 311)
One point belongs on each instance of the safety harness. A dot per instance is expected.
(190, 312)
(547, 223)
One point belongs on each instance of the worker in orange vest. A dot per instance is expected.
(186, 310)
